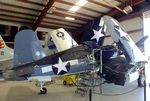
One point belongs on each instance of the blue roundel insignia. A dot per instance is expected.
(62, 72)
(60, 34)
(51, 40)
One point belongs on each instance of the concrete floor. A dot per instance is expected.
(27, 91)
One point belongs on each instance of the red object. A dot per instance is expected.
(2, 44)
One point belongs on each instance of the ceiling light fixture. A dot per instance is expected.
(127, 9)
(74, 8)
(78, 5)
(81, 2)
(69, 18)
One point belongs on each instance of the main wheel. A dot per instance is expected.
(43, 91)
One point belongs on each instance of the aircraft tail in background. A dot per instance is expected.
(120, 36)
(6, 56)
(5, 52)
(62, 39)
(50, 47)
(27, 49)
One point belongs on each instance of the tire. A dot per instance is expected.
(43, 91)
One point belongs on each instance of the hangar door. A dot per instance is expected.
(146, 22)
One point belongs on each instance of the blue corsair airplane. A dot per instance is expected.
(31, 62)
(124, 62)
(123, 58)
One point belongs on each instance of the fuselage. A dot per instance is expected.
(6, 58)
(5, 65)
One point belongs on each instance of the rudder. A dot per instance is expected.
(27, 48)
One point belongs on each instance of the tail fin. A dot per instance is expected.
(6, 53)
(141, 41)
(62, 39)
(27, 48)
(120, 36)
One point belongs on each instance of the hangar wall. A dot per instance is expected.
(133, 26)
(19, 25)
(10, 23)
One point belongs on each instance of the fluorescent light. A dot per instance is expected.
(74, 8)
(127, 9)
(69, 18)
(78, 4)
(81, 2)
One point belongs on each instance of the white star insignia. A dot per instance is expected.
(122, 33)
(97, 35)
(61, 66)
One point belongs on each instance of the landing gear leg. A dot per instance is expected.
(43, 90)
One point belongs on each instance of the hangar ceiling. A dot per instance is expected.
(52, 13)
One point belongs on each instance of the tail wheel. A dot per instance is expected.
(64, 82)
(43, 90)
